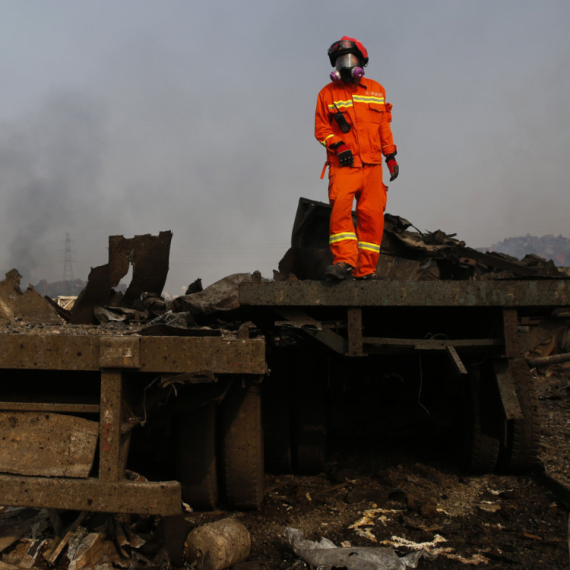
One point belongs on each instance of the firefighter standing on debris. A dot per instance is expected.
(352, 121)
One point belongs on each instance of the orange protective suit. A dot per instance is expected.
(365, 109)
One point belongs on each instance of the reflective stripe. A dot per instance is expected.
(337, 105)
(324, 143)
(369, 246)
(334, 238)
(367, 99)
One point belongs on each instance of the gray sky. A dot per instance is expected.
(138, 116)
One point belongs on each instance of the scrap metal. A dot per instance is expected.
(148, 256)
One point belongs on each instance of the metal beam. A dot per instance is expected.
(528, 293)
(456, 361)
(507, 389)
(110, 426)
(355, 332)
(433, 344)
(155, 354)
(162, 498)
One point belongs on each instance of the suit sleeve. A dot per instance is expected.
(386, 139)
(323, 128)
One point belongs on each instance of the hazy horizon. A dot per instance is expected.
(197, 117)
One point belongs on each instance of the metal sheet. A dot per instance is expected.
(50, 445)
(162, 498)
(531, 293)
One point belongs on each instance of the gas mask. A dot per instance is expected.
(347, 68)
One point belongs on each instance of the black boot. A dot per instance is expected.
(338, 271)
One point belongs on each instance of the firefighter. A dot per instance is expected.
(352, 121)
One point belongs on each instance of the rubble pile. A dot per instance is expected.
(407, 253)
(32, 538)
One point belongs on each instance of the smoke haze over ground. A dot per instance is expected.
(197, 117)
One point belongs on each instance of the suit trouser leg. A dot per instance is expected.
(371, 203)
(344, 184)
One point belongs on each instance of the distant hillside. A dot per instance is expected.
(552, 247)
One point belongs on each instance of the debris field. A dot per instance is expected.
(368, 464)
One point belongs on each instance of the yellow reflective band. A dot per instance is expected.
(340, 105)
(341, 237)
(369, 246)
(324, 143)
(366, 99)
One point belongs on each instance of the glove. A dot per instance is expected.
(344, 154)
(392, 166)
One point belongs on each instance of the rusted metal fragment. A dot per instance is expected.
(30, 306)
(149, 256)
(47, 444)
(532, 293)
(160, 498)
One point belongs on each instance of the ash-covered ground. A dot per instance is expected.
(404, 485)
